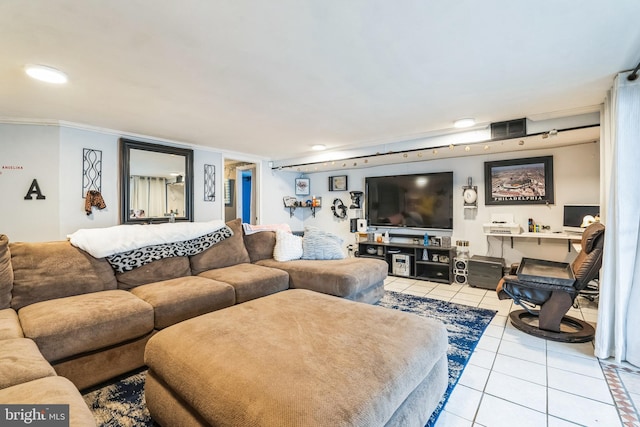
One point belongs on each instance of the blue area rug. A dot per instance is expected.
(121, 403)
(464, 324)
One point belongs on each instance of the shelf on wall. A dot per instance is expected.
(292, 203)
(540, 236)
(293, 208)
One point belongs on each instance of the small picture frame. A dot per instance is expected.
(338, 183)
(303, 186)
(289, 201)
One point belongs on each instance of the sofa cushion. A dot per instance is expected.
(230, 251)
(6, 272)
(10, 324)
(319, 244)
(51, 391)
(155, 271)
(66, 327)
(21, 361)
(179, 299)
(250, 281)
(344, 278)
(260, 245)
(49, 270)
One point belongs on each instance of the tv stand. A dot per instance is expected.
(432, 263)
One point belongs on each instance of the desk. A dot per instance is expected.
(570, 238)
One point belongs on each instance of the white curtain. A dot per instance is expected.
(148, 196)
(618, 312)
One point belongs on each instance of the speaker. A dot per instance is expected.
(460, 279)
(461, 264)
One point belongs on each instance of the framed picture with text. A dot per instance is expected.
(519, 181)
(303, 186)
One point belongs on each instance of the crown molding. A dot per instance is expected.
(125, 134)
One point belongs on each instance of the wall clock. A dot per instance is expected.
(470, 195)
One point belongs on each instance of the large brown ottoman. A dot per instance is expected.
(297, 358)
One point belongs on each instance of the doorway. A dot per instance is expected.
(240, 190)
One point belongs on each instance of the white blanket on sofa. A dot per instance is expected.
(103, 242)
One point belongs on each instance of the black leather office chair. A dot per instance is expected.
(554, 299)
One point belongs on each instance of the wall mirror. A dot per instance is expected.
(156, 183)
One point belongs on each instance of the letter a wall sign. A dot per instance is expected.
(34, 189)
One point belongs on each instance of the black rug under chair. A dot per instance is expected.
(121, 402)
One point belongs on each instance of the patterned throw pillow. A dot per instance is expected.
(288, 246)
(318, 244)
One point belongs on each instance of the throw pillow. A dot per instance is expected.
(318, 244)
(230, 251)
(288, 246)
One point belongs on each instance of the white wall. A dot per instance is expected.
(72, 213)
(33, 150)
(52, 154)
(204, 210)
(274, 185)
(576, 175)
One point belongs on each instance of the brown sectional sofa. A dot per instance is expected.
(91, 324)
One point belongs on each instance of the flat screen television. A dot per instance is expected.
(574, 217)
(420, 200)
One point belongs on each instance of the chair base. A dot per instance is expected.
(572, 330)
(591, 291)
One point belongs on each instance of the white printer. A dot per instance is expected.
(501, 224)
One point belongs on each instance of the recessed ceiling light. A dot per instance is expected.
(464, 123)
(46, 74)
(318, 147)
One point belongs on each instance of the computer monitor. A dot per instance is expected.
(574, 217)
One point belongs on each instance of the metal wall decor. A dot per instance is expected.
(209, 183)
(229, 190)
(91, 170)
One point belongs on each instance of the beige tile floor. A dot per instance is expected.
(514, 379)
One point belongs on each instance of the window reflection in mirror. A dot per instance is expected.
(156, 182)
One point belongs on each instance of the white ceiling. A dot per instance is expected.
(271, 78)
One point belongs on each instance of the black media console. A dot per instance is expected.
(433, 263)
